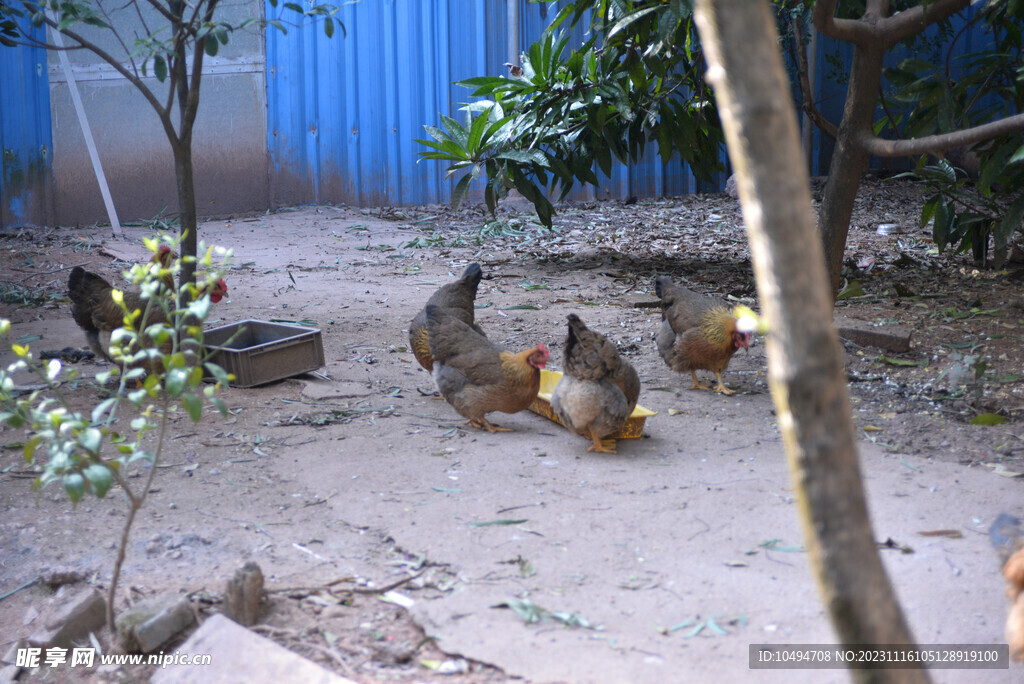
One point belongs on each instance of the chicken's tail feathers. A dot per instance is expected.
(76, 278)
(576, 329)
(473, 274)
(660, 283)
(80, 280)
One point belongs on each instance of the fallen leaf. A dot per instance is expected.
(949, 534)
(498, 522)
(1003, 471)
(988, 419)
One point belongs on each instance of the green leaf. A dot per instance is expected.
(525, 157)
(218, 373)
(498, 522)
(993, 168)
(30, 447)
(74, 485)
(476, 132)
(923, 363)
(988, 419)
(460, 191)
(99, 414)
(941, 225)
(219, 404)
(1017, 156)
(456, 131)
(159, 68)
(329, 27)
(91, 440)
(100, 479)
(853, 289)
(210, 46)
(1011, 221)
(177, 378)
(193, 405)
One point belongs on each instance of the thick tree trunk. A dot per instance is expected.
(849, 160)
(805, 370)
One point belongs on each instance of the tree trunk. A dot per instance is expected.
(186, 208)
(805, 369)
(849, 160)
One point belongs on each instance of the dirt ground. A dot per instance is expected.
(670, 558)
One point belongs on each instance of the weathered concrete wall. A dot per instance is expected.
(229, 140)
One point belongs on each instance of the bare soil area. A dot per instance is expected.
(662, 563)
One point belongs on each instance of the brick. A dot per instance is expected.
(83, 612)
(891, 338)
(238, 655)
(148, 624)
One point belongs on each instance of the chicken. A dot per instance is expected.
(95, 311)
(457, 299)
(475, 375)
(1007, 535)
(599, 389)
(696, 333)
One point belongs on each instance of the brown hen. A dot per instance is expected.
(696, 333)
(475, 375)
(599, 390)
(98, 314)
(457, 299)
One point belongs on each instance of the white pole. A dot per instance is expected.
(90, 144)
(513, 31)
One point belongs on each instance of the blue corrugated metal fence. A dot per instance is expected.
(26, 181)
(343, 113)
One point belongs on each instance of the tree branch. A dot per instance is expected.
(934, 144)
(162, 9)
(848, 30)
(823, 124)
(902, 25)
(117, 36)
(192, 105)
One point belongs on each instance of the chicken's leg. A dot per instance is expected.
(722, 389)
(697, 384)
(603, 446)
(484, 424)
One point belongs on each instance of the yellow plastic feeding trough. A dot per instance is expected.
(633, 428)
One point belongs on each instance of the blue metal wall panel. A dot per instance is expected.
(343, 112)
(26, 181)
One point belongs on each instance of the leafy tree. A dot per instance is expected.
(982, 86)
(953, 122)
(168, 38)
(639, 78)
